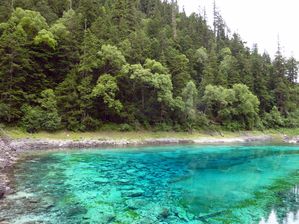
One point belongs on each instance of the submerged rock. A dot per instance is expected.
(102, 214)
(147, 220)
(101, 181)
(164, 213)
(131, 171)
(76, 210)
(2, 191)
(133, 193)
(181, 213)
(135, 203)
(123, 181)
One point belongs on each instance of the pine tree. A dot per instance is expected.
(14, 67)
(210, 72)
(260, 74)
(279, 82)
(292, 70)
(135, 61)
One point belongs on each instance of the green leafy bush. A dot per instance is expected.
(273, 119)
(126, 127)
(201, 121)
(163, 127)
(292, 121)
(225, 106)
(234, 126)
(43, 117)
(32, 119)
(74, 124)
(110, 127)
(90, 124)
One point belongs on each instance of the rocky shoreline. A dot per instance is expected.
(291, 140)
(21, 145)
(8, 155)
(10, 149)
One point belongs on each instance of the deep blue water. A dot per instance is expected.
(171, 184)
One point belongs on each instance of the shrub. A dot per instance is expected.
(90, 124)
(72, 124)
(225, 106)
(201, 121)
(32, 119)
(163, 127)
(50, 121)
(234, 126)
(178, 128)
(126, 127)
(43, 117)
(273, 119)
(110, 127)
(292, 121)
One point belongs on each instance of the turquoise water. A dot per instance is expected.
(171, 184)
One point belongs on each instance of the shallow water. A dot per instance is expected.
(171, 184)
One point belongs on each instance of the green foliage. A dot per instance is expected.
(111, 59)
(75, 101)
(32, 119)
(43, 117)
(273, 119)
(189, 97)
(107, 89)
(15, 64)
(246, 106)
(51, 120)
(45, 37)
(225, 106)
(4, 111)
(201, 121)
(135, 64)
(210, 71)
(154, 75)
(228, 70)
(30, 21)
(89, 124)
(292, 121)
(163, 127)
(178, 67)
(126, 127)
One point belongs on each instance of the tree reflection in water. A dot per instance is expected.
(288, 211)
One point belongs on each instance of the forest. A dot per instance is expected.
(85, 65)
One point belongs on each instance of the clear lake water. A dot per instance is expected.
(196, 184)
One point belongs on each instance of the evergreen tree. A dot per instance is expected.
(260, 75)
(135, 62)
(210, 72)
(14, 65)
(292, 70)
(279, 83)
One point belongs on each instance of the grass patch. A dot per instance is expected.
(17, 133)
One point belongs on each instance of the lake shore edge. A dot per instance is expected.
(12, 149)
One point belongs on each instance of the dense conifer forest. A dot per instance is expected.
(87, 65)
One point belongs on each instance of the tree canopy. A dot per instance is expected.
(79, 65)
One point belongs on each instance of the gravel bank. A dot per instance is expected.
(8, 156)
(291, 140)
(42, 144)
